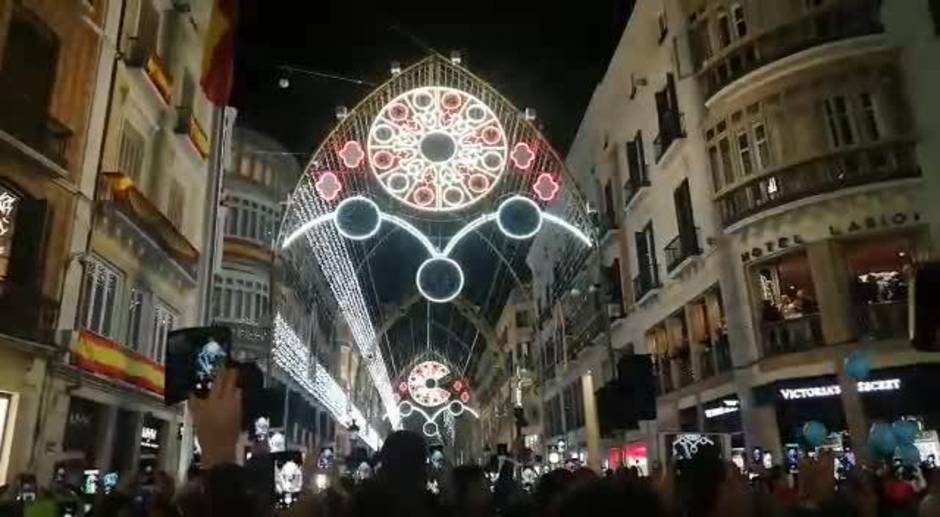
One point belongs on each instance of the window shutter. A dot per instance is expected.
(29, 236)
(633, 156)
(684, 217)
(642, 256)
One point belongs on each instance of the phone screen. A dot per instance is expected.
(325, 459)
(193, 357)
(288, 477)
(109, 482)
(90, 482)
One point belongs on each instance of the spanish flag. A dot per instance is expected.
(219, 52)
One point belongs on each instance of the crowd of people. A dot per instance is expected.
(404, 484)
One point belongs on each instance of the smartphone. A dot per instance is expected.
(436, 458)
(792, 456)
(288, 477)
(90, 482)
(193, 357)
(109, 482)
(27, 488)
(326, 458)
(757, 456)
(147, 469)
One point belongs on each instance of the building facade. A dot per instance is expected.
(137, 241)
(762, 173)
(49, 65)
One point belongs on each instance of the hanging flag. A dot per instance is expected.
(219, 53)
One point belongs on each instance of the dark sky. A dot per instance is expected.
(545, 54)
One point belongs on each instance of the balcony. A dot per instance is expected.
(158, 75)
(644, 285)
(663, 374)
(682, 366)
(844, 168)
(881, 320)
(672, 128)
(123, 197)
(681, 248)
(26, 313)
(791, 335)
(33, 127)
(706, 363)
(634, 184)
(836, 21)
(188, 125)
(723, 353)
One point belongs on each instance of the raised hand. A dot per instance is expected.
(218, 418)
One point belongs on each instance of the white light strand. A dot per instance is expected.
(294, 358)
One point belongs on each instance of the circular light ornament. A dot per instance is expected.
(430, 429)
(519, 218)
(357, 218)
(456, 408)
(406, 408)
(424, 382)
(439, 279)
(437, 149)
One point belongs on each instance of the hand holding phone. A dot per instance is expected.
(218, 419)
(193, 359)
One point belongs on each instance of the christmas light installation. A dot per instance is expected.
(437, 149)
(328, 186)
(293, 358)
(439, 279)
(522, 156)
(428, 385)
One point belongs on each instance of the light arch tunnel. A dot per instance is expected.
(439, 156)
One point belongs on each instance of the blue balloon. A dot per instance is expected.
(858, 365)
(881, 440)
(814, 433)
(908, 454)
(905, 431)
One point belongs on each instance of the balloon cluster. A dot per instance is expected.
(895, 441)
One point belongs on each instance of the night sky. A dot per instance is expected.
(539, 53)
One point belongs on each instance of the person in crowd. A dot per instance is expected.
(805, 304)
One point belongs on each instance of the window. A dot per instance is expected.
(724, 149)
(9, 208)
(663, 25)
(685, 219)
(868, 117)
(740, 24)
(240, 296)
(148, 27)
(723, 30)
(715, 167)
(667, 111)
(839, 121)
(187, 92)
(131, 152)
(249, 219)
(647, 268)
(744, 153)
(636, 162)
(934, 6)
(175, 203)
(135, 311)
(164, 319)
(762, 144)
(102, 288)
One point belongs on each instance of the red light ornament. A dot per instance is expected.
(545, 187)
(328, 186)
(352, 154)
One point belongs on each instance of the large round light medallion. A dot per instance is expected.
(437, 148)
(424, 383)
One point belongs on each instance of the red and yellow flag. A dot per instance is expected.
(219, 53)
(102, 356)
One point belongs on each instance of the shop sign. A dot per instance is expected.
(873, 222)
(812, 392)
(771, 246)
(149, 437)
(727, 407)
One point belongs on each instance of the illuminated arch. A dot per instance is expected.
(346, 165)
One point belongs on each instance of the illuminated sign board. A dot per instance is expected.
(833, 390)
(726, 407)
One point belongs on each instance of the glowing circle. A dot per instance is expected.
(437, 149)
(456, 408)
(406, 408)
(423, 382)
(439, 279)
(519, 218)
(430, 429)
(357, 218)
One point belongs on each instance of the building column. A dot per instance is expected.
(169, 445)
(592, 430)
(828, 269)
(854, 410)
(106, 434)
(760, 425)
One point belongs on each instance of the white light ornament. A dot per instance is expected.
(440, 278)
(430, 427)
(437, 149)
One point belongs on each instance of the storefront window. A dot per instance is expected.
(81, 429)
(8, 205)
(878, 276)
(788, 311)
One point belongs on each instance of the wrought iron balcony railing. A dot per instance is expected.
(791, 335)
(681, 248)
(881, 320)
(32, 125)
(634, 184)
(644, 284)
(858, 165)
(833, 22)
(672, 128)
